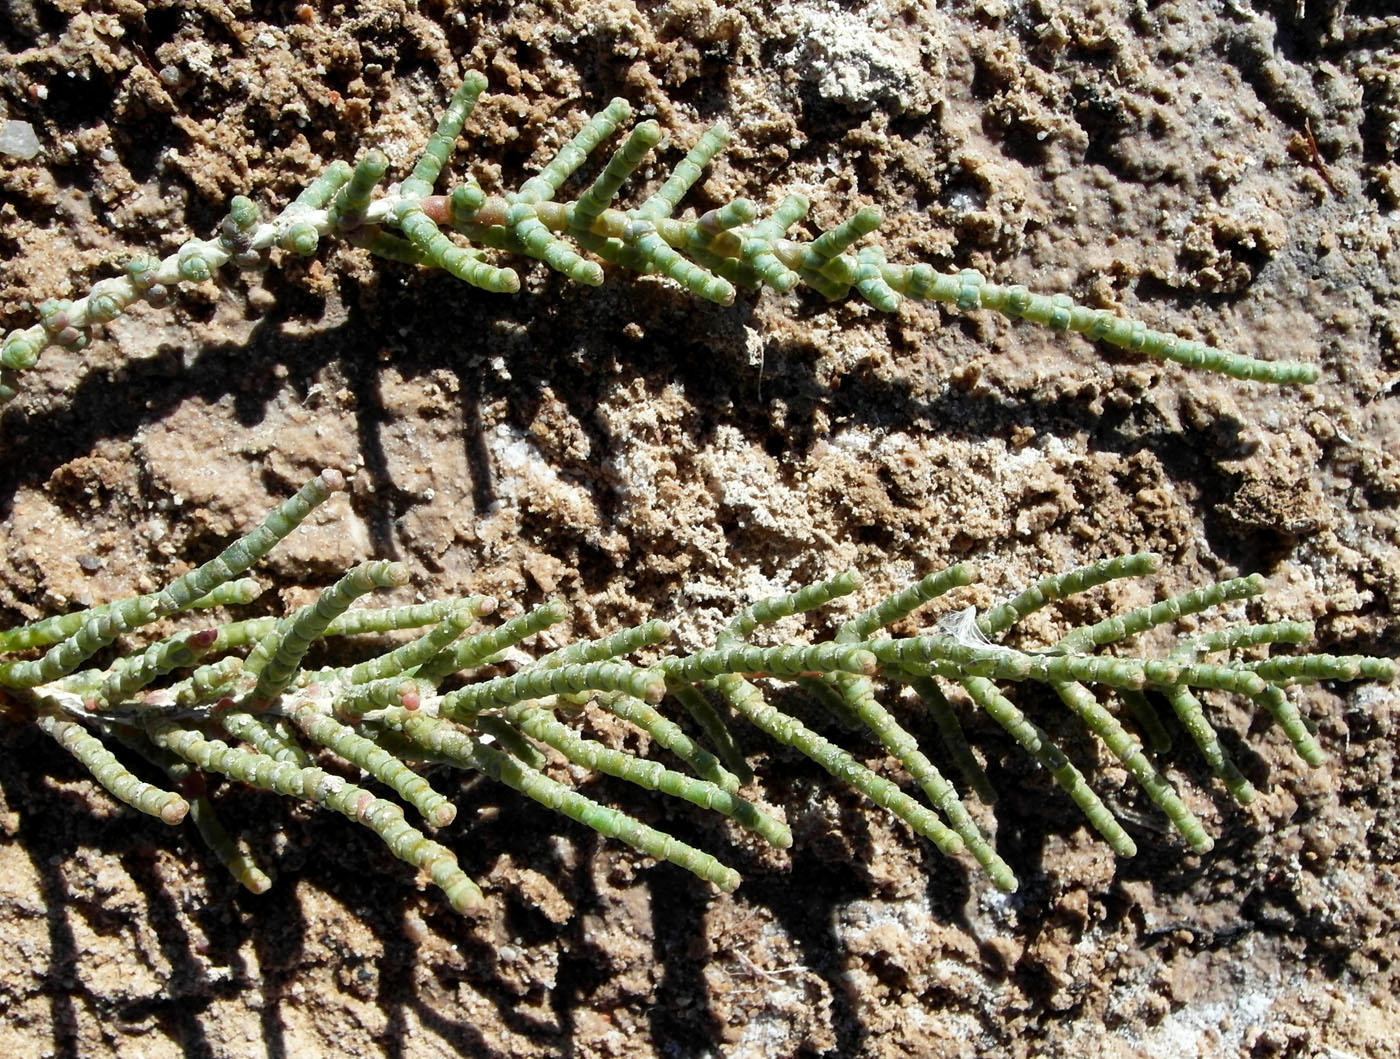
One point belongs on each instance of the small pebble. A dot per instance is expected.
(17, 140)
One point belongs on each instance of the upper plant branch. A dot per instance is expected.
(710, 255)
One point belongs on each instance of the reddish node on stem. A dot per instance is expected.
(437, 207)
(362, 806)
(203, 640)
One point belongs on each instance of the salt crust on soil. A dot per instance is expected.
(639, 454)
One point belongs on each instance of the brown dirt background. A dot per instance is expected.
(638, 453)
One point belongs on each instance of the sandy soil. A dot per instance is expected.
(640, 454)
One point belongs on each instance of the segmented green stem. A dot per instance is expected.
(1149, 722)
(603, 819)
(789, 731)
(551, 178)
(664, 200)
(247, 550)
(1287, 717)
(859, 694)
(1309, 669)
(425, 647)
(364, 753)
(775, 608)
(1121, 626)
(118, 780)
(444, 139)
(441, 252)
(673, 738)
(64, 657)
(1060, 586)
(1242, 636)
(954, 739)
(824, 691)
(905, 602)
(353, 199)
(1036, 743)
(717, 731)
(208, 683)
(624, 642)
(1193, 718)
(153, 663)
(268, 735)
(1129, 753)
(757, 250)
(233, 854)
(652, 775)
(61, 626)
(969, 290)
(475, 650)
(624, 162)
(824, 250)
(787, 660)
(315, 785)
(533, 683)
(277, 658)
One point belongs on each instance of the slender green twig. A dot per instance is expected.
(709, 255)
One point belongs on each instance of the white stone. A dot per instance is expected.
(17, 140)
